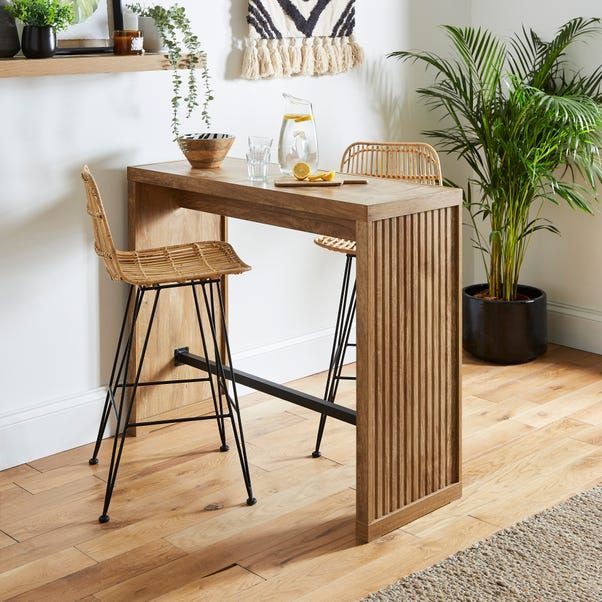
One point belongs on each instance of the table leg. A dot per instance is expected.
(408, 366)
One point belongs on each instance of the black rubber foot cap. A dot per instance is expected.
(93, 461)
(316, 454)
(103, 518)
(251, 501)
(224, 448)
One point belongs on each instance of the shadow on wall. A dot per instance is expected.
(239, 28)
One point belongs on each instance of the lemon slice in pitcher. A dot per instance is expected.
(301, 170)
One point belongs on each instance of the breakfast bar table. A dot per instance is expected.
(408, 323)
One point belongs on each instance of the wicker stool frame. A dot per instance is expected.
(199, 266)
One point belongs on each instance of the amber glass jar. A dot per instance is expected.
(128, 41)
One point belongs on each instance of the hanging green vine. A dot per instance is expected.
(183, 47)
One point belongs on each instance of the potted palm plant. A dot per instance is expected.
(42, 19)
(529, 127)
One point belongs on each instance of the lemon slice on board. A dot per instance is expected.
(301, 170)
(328, 176)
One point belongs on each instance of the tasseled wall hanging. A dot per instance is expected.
(300, 37)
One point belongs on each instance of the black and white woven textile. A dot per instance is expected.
(300, 37)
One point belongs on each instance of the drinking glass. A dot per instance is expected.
(258, 158)
(257, 165)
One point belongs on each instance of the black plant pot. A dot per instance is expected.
(505, 332)
(9, 38)
(38, 42)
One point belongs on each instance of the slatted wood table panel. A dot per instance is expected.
(408, 325)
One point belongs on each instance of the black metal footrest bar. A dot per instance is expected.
(177, 420)
(271, 388)
(153, 383)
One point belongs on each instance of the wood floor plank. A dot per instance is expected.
(6, 540)
(569, 404)
(233, 581)
(103, 575)
(39, 572)
(532, 437)
(8, 476)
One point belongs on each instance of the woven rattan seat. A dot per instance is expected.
(339, 245)
(410, 161)
(173, 264)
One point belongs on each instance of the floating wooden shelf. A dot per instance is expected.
(83, 65)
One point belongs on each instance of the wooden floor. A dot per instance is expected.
(532, 437)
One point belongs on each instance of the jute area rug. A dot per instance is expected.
(553, 556)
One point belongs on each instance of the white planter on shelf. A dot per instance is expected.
(152, 37)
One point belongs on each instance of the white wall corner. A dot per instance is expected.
(575, 326)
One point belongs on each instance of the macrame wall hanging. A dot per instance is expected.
(300, 37)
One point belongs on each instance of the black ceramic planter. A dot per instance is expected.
(9, 38)
(505, 332)
(38, 42)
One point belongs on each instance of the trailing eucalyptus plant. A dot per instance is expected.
(182, 45)
(42, 13)
(530, 128)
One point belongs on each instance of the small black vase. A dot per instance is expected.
(505, 332)
(38, 42)
(9, 37)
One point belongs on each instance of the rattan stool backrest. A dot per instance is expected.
(412, 161)
(103, 241)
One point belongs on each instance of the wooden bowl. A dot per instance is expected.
(205, 151)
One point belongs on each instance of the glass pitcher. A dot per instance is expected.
(298, 139)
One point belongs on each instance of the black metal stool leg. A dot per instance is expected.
(215, 396)
(124, 414)
(232, 401)
(111, 389)
(345, 317)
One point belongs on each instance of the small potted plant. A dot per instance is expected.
(529, 126)
(41, 20)
(183, 48)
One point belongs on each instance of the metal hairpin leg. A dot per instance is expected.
(124, 414)
(340, 344)
(218, 389)
(113, 380)
(231, 400)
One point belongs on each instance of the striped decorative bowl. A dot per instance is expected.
(205, 151)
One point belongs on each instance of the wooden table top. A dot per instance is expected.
(379, 199)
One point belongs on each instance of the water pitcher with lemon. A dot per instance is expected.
(298, 139)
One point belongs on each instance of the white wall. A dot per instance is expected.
(58, 310)
(567, 267)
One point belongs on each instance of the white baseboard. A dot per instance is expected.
(67, 422)
(291, 359)
(575, 326)
(49, 427)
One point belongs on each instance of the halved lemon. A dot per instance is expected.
(301, 170)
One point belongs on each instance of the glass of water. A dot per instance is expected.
(258, 158)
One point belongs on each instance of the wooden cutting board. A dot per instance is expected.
(294, 183)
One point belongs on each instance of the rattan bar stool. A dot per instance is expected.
(198, 265)
(414, 162)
